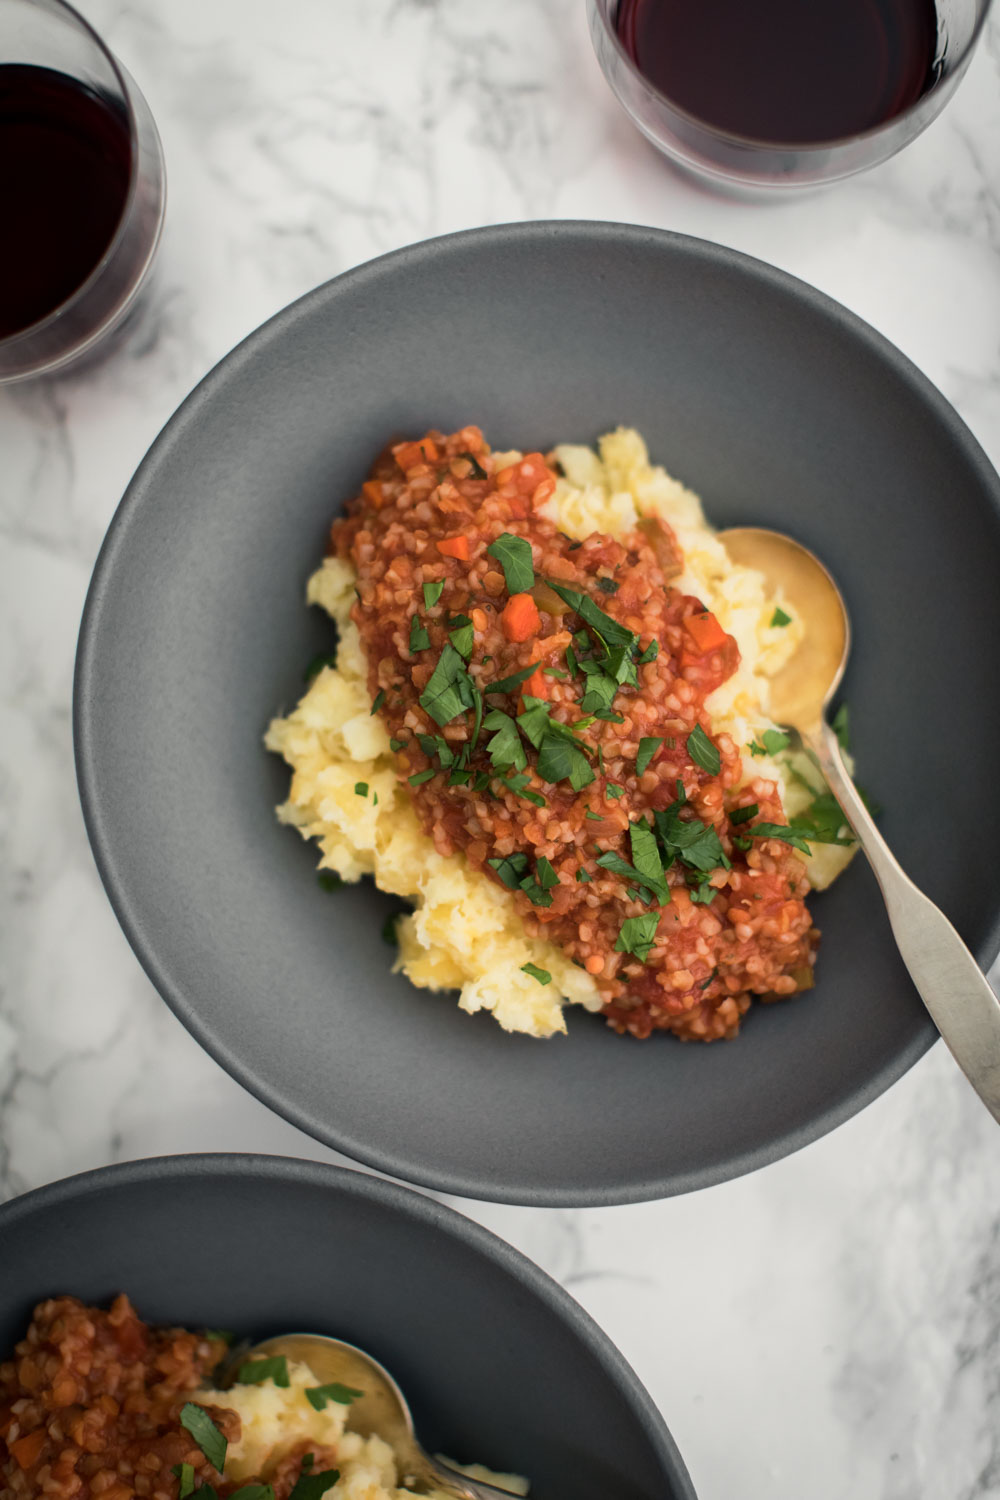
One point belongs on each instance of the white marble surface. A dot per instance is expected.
(829, 1327)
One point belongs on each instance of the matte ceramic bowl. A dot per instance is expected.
(782, 410)
(499, 1364)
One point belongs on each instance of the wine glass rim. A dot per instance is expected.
(761, 143)
(50, 318)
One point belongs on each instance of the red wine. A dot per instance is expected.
(65, 161)
(784, 71)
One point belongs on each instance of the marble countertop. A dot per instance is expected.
(841, 1308)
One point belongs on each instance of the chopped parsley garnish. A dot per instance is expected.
(771, 742)
(329, 880)
(419, 777)
(319, 1395)
(513, 554)
(822, 822)
(694, 843)
(556, 672)
(651, 652)
(361, 789)
(608, 630)
(571, 661)
(419, 639)
(478, 472)
(584, 876)
(700, 889)
(638, 935)
(257, 1370)
(317, 664)
(779, 831)
(379, 700)
(436, 744)
(185, 1473)
(508, 684)
(779, 617)
(504, 749)
(313, 1486)
(614, 790)
(389, 933)
(519, 786)
(561, 759)
(618, 866)
(595, 817)
(395, 744)
(195, 1420)
(841, 727)
(647, 860)
(542, 975)
(706, 982)
(432, 593)
(743, 814)
(648, 747)
(450, 691)
(703, 752)
(545, 874)
(510, 869)
(608, 586)
(461, 633)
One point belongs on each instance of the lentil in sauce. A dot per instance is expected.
(546, 703)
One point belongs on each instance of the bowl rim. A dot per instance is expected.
(398, 1199)
(395, 1163)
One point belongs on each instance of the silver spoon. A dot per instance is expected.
(381, 1409)
(948, 980)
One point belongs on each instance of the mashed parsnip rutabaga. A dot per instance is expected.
(547, 727)
(97, 1405)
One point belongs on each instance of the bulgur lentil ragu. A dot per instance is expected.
(546, 704)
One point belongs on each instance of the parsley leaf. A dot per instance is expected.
(743, 814)
(648, 747)
(504, 749)
(638, 934)
(779, 617)
(607, 586)
(561, 759)
(771, 742)
(257, 1370)
(511, 869)
(395, 744)
(614, 790)
(419, 777)
(313, 1486)
(361, 789)
(841, 727)
(185, 1473)
(583, 876)
(779, 831)
(703, 752)
(195, 1420)
(519, 786)
(513, 554)
(379, 700)
(542, 975)
(508, 684)
(463, 634)
(319, 1395)
(449, 691)
(651, 652)
(647, 861)
(608, 630)
(432, 593)
(419, 639)
(317, 664)
(545, 874)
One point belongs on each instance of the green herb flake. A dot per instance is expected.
(329, 880)
(780, 831)
(255, 1371)
(379, 700)
(419, 639)
(743, 814)
(449, 691)
(478, 472)
(419, 777)
(253, 1492)
(556, 672)
(561, 759)
(513, 554)
(571, 661)
(638, 934)
(595, 817)
(647, 860)
(584, 876)
(542, 975)
(608, 586)
(779, 617)
(395, 744)
(706, 982)
(651, 652)
(461, 633)
(313, 1486)
(511, 869)
(185, 1473)
(545, 874)
(509, 684)
(432, 593)
(389, 933)
(317, 664)
(519, 786)
(609, 631)
(361, 789)
(703, 752)
(648, 747)
(504, 749)
(319, 1395)
(771, 742)
(614, 790)
(195, 1420)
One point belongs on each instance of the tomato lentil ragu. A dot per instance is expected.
(546, 702)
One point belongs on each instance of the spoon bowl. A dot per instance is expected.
(380, 1410)
(944, 972)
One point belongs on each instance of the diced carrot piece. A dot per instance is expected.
(409, 455)
(455, 546)
(705, 631)
(372, 490)
(27, 1450)
(535, 686)
(520, 619)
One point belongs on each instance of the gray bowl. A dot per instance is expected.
(500, 1365)
(782, 410)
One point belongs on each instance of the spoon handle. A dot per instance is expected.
(949, 981)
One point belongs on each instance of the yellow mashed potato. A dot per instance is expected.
(465, 933)
(277, 1419)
